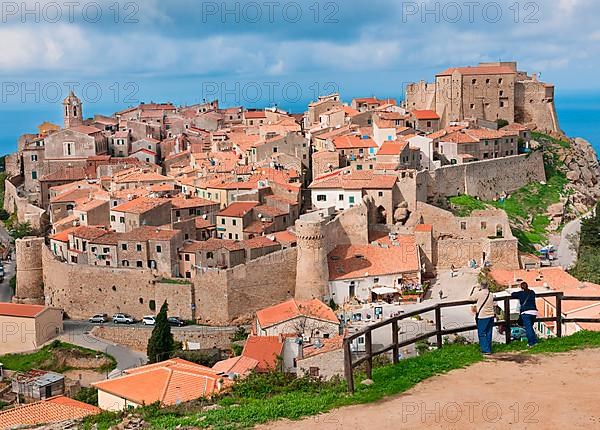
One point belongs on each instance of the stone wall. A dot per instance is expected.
(216, 297)
(14, 203)
(488, 178)
(136, 338)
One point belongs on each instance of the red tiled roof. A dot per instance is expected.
(140, 205)
(392, 148)
(238, 365)
(293, 308)
(358, 261)
(425, 114)
(167, 382)
(326, 345)
(265, 350)
(18, 310)
(51, 410)
(352, 141)
(423, 227)
(86, 129)
(357, 180)
(212, 244)
(255, 114)
(238, 209)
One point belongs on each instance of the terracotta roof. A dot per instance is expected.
(238, 365)
(167, 382)
(515, 126)
(140, 205)
(423, 227)
(18, 310)
(356, 180)
(51, 410)
(265, 350)
(425, 114)
(66, 174)
(259, 242)
(88, 232)
(238, 209)
(255, 114)
(212, 244)
(270, 211)
(479, 70)
(293, 308)
(358, 261)
(202, 223)
(325, 345)
(257, 227)
(181, 202)
(62, 236)
(284, 237)
(86, 129)
(392, 148)
(353, 141)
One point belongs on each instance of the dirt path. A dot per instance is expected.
(507, 391)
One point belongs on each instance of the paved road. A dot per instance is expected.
(77, 332)
(5, 291)
(566, 255)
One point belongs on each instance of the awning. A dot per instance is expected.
(384, 290)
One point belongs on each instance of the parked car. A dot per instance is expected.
(1, 273)
(176, 321)
(99, 319)
(149, 320)
(123, 319)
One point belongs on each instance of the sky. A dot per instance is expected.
(255, 53)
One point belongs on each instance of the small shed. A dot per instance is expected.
(38, 384)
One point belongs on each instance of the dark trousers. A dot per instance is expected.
(484, 332)
(528, 321)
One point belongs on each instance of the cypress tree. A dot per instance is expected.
(161, 341)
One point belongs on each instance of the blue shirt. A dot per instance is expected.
(526, 300)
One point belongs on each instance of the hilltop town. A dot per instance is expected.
(301, 228)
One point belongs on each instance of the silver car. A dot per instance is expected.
(99, 319)
(123, 319)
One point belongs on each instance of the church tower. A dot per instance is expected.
(73, 114)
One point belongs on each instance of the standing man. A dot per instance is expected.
(484, 315)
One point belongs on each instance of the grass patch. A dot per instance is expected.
(464, 205)
(263, 398)
(50, 358)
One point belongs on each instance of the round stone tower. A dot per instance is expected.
(30, 280)
(312, 272)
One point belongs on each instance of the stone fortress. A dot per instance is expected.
(225, 296)
(490, 91)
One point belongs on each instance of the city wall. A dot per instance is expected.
(487, 179)
(25, 211)
(215, 297)
(136, 338)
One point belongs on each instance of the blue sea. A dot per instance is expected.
(578, 113)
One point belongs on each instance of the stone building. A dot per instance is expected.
(490, 91)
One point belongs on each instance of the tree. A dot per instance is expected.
(161, 342)
(21, 230)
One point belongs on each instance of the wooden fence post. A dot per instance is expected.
(559, 297)
(395, 350)
(369, 353)
(507, 334)
(438, 326)
(348, 366)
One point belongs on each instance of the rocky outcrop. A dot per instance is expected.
(582, 169)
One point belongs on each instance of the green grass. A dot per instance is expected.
(526, 207)
(265, 398)
(464, 205)
(46, 359)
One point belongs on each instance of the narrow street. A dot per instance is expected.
(77, 333)
(567, 256)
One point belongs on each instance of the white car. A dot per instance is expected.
(149, 320)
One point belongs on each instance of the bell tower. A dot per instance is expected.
(73, 115)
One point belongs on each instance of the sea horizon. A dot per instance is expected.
(578, 115)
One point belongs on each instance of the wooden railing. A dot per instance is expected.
(350, 364)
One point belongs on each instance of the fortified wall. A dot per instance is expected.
(215, 297)
(487, 179)
(14, 203)
(317, 235)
